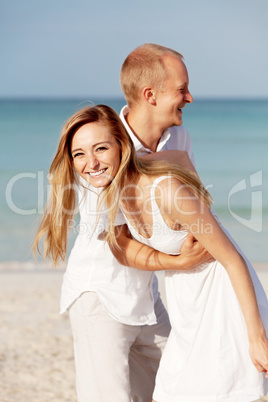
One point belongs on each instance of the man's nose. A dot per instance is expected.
(188, 97)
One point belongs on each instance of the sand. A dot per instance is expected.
(36, 353)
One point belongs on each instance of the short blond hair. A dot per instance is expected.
(144, 66)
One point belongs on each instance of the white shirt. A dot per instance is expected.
(174, 138)
(128, 294)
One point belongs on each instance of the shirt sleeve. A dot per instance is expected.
(187, 143)
(180, 140)
(119, 219)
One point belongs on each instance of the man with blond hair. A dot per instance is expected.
(155, 82)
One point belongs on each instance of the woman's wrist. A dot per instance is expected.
(256, 332)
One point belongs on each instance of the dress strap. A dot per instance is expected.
(155, 183)
(155, 208)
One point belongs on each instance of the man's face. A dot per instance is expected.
(170, 102)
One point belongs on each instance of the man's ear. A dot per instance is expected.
(149, 95)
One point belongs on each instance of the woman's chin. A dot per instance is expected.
(99, 182)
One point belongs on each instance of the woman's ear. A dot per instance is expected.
(149, 95)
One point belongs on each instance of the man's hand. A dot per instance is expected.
(192, 254)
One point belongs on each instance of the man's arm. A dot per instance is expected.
(136, 255)
(180, 158)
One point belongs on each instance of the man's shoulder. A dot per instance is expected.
(179, 135)
(179, 139)
(178, 129)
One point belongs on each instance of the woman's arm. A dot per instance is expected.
(196, 218)
(136, 255)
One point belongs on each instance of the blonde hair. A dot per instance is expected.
(144, 66)
(61, 204)
(60, 207)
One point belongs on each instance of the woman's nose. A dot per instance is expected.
(92, 162)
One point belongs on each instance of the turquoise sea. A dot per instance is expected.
(230, 142)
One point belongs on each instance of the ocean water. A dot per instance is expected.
(230, 142)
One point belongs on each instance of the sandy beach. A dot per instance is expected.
(36, 354)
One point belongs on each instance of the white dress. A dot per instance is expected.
(206, 358)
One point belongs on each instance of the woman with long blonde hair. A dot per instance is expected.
(60, 208)
(119, 299)
(219, 310)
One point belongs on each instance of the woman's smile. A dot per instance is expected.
(95, 153)
(99, 172)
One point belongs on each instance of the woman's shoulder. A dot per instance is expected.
(162, 180)
(166, 182)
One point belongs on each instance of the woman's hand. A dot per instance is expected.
(258, 350)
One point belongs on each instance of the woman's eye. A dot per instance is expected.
(77, 154)
(100, 149)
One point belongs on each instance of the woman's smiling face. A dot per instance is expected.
(96, 154)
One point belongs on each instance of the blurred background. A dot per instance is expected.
(56, 57)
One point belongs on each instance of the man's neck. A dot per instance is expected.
(144, 129)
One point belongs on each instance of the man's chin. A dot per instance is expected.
(179, 122)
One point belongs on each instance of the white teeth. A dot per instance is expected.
(97, 173)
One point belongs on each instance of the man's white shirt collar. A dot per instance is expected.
(140, 149)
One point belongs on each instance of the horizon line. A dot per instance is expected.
(121, 98)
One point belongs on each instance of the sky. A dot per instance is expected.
(75, 48)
